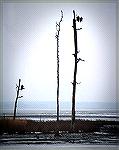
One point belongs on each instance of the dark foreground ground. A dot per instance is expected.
(85, 132)
(58, 147)
(64, 138)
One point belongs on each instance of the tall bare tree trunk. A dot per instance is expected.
(75, 68)
(75, 72)
(57, 37)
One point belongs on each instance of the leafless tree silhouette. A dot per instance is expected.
(18, 88)
(57, 37)
(79, 19)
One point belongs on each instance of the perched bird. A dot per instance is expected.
(79, 18)
(22, 87)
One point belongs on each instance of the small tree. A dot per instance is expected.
(18, 88)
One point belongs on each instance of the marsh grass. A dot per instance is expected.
(27, 126)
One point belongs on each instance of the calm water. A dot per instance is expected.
(59, 147)
(51, 115)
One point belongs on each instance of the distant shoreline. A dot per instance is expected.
(46, 115)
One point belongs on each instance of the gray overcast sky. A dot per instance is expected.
(29, 51)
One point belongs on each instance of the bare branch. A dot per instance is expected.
(61, 15)
(20, 96)
(79, 29)
(78, 82)
(16, 87)
(79, 59)
(58, 24)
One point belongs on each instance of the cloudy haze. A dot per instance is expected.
(29, 52)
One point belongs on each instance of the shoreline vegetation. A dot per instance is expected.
(27, 126)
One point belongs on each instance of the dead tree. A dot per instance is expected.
(18, 88)
(57, 37)
(79, 19)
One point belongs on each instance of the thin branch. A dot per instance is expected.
(58, 24)
(79, 59)
(20, 96)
